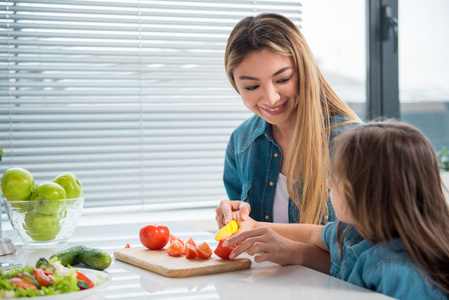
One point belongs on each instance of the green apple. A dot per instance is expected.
(17, 184)
(63, 214)
(44, 193)
(41, 227)
(21, 206)
(72, 186)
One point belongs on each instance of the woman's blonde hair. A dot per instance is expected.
(307, 164)
(390, 176)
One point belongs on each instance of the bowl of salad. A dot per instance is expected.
(51, 278)
(44, 224)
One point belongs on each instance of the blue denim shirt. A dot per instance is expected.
(252, 166)
(382, 267)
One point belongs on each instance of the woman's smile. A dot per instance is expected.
(275, 110)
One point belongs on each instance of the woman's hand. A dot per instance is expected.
(247, 224)
(227, 211)
(263, 241)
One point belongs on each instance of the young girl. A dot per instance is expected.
(276, 161)
(392, 233)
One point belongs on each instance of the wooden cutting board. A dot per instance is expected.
(158, 261)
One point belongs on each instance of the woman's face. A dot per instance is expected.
(338, 201)
(268, 85)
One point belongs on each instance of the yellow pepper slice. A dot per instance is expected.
(227, 230)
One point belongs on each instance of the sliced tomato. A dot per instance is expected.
(42, 278)
(83, 278)
(190, 250)
(223, 252)
(190, 242)
(172, 238)
(203, 251)
(175, 249)
(19, 282)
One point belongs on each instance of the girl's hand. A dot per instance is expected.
(263, 241)
(227, 211)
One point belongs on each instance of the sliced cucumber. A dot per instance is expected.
(82, 284)
(30, 278)
(43, 264)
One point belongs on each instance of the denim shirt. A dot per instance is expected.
(383, 267)
(252, 166)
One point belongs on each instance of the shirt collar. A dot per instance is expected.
(263, 127)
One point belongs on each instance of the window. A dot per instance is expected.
(424, 67)
(336, 31)
(131, 96)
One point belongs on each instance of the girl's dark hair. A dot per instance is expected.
(391, 177)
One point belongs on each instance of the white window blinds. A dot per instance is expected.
(131, 96)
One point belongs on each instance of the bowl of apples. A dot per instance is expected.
(44, 215)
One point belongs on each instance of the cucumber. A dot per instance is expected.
(96, 258)
(92, 257)
(70, 256)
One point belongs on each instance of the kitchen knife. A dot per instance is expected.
(227, 230)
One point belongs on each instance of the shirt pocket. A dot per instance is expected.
(245, 193)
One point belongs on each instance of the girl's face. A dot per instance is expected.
(338, 201)
(268, 85)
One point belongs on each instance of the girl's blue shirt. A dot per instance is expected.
(253, 163)
(382, 267)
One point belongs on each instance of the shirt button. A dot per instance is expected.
(276, 155)
(326, 218)
(267, 217)
(271, 183)
(336, 275)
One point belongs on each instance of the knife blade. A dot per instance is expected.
(227, 230)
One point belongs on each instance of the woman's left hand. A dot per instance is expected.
(263, 241)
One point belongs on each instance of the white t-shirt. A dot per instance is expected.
(280, 207)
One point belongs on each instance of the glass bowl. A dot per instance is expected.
(46, 223)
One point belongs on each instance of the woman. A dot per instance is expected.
(276, 162)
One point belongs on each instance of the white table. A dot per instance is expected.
(261, 281)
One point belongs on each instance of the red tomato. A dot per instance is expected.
(172, 238)
(175, 249)
(42, 278)
(154, 237)
(19, 282)
(223, 252)
(190, 251)
(127, 245)
(203, 251)
(82, 277)
(191, 242)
